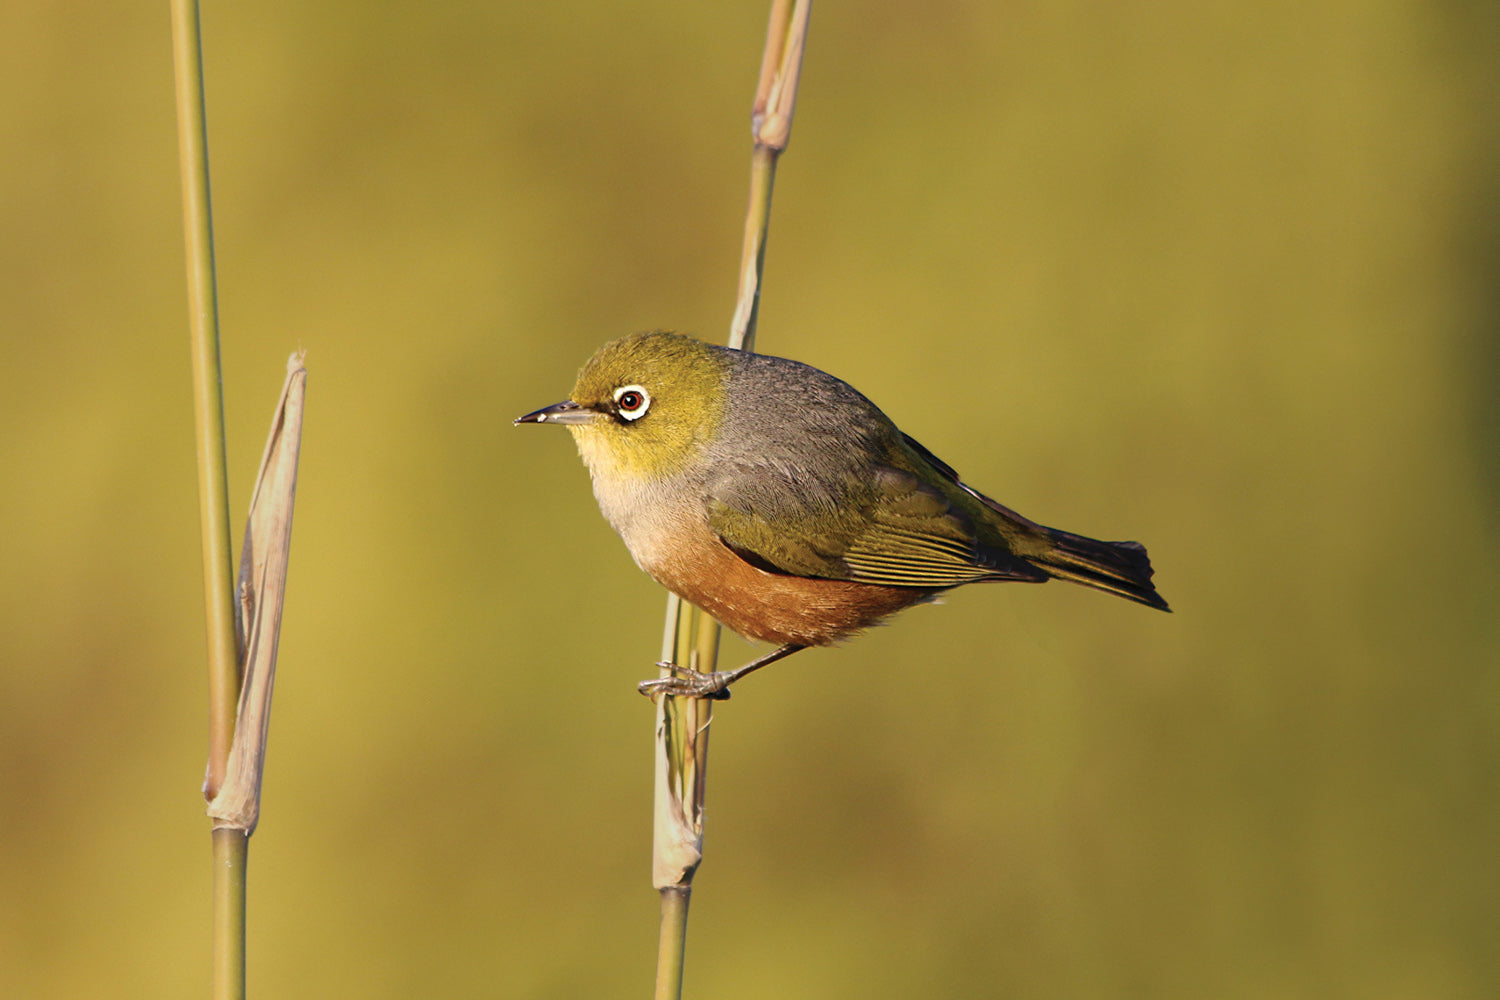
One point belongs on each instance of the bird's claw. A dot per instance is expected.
(687, 683)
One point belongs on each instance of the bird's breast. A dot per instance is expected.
(770, 607)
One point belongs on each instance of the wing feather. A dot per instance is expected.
(884, 526)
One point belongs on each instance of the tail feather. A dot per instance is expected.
(1116, 567)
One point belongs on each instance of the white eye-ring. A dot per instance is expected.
(632, 401)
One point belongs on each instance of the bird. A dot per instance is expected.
(781, 501)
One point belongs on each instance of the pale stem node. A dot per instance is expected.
(771, 127)
(780, 72)
(681, 752)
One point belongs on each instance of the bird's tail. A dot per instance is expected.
(1117, 567)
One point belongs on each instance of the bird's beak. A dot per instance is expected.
(566, 412)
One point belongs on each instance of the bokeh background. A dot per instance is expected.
(1218, 277)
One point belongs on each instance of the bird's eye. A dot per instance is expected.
(632, 401)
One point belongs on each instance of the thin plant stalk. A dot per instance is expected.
(230, 847)
(670, 746)
(771, 126)
(671, 950)
(208, 395)
(231, 854)
(682, 724)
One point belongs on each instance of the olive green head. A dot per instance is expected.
(644, 406)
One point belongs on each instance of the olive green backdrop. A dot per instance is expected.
(1220, 279)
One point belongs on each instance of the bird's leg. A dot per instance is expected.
(687, 683)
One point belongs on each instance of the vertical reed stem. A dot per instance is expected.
(682, 723)
(231, 853)
(230, 847)
(208, 392)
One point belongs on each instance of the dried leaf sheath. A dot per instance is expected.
(261, 590)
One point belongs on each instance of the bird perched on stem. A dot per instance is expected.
(782, 502)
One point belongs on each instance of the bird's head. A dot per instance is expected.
(644, 406)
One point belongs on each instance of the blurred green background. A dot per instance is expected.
(1219, 278)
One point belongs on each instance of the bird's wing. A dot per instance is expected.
(877, 524)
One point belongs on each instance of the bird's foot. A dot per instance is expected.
(687, 683)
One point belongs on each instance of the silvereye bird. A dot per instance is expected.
(782, 502)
